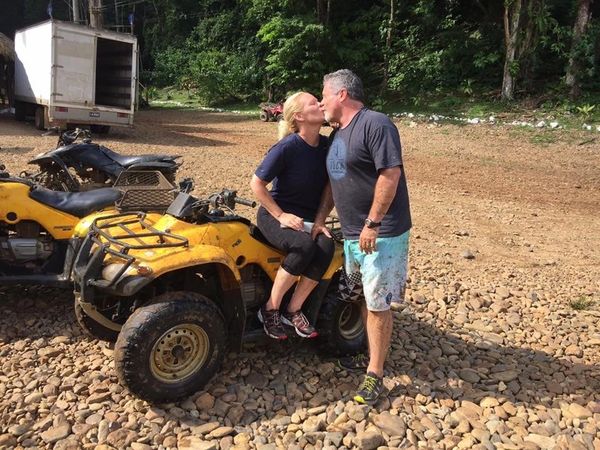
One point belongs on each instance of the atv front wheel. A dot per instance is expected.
(265, 116)
(93, 328)
(340, 326)
(170, 348)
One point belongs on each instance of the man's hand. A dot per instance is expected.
(367, 241)
(319, 228)
(291, 221)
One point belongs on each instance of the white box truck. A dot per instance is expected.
(70, 74)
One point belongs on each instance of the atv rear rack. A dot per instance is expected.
(103, 235)
(144, 189)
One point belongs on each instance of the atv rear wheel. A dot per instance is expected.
(265, 116)
(170, 348)
(340, 326)
(279, 117)
(93, 328)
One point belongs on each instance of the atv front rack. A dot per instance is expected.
(116, 235)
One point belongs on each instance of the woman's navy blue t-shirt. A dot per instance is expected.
(298, 173)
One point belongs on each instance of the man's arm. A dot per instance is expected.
(385, 191)
(325, 208)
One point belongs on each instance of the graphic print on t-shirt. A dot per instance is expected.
(336, 159)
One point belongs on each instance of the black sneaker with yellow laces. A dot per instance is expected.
(356, 362)
(371, 389)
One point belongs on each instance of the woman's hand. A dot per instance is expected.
(291, 221)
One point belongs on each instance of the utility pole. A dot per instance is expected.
(96, 14)
(76, 17)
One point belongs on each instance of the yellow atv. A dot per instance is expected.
(179, 290)
(37, 224)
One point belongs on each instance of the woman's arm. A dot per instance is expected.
(259, 188)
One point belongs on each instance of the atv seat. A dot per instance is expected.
(78, 204)
(127, 161)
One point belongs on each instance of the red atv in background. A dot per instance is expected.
(271, 111)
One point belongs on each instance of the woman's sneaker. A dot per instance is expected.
(271, 321)
(299, 321)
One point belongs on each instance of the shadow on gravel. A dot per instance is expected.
(444, 365)
(423, 360)
(15, 150)
(35, 311)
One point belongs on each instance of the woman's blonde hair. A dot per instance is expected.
(288, 124)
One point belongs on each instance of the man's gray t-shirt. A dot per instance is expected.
(368, 144)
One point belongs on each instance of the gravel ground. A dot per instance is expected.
(496, 345)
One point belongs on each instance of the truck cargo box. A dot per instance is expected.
(67, 73)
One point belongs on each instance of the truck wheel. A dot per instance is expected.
(340, 326)
(40, 121)
(265, 116)
(20, 111)
(100, 129)
(93, 328)
(170, 348)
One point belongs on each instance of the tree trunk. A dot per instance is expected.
(388, 48)
(96, 14)
(512, 25)
(584, 15)
(76, 17)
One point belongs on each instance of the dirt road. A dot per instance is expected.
(505, 249)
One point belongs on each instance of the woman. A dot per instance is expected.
(296, 166)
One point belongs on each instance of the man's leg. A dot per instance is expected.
(379, 334)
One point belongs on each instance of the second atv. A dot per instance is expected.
(178, 291)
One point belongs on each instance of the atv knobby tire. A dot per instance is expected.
(265, 116)
(340, 325)
(93, 328)
(170, 348)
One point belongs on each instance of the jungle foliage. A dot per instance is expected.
(237, 50)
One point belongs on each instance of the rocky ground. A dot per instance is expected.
(497, 345)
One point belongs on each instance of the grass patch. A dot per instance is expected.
(544, 139)
(582, 303)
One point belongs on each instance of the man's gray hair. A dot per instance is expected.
(346, 79)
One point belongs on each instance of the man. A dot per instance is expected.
(368, 188)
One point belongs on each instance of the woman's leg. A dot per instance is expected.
(282, 283)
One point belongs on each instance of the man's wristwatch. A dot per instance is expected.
(371, 224)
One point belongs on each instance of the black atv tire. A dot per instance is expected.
(93, 328)
(265, 116)
(279, 117)
(150, 353)
(340, 326)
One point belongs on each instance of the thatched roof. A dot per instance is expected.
(7, 47)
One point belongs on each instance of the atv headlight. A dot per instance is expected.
(110, 271)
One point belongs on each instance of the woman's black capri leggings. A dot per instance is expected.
(304, 256)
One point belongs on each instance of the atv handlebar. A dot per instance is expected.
(245, 202)
(228, 199)
(68, 137)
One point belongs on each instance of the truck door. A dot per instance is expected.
(74, 71)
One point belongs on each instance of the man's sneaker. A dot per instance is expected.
(271, 321)
(356, 362)
(299, 321)
(370, 390)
